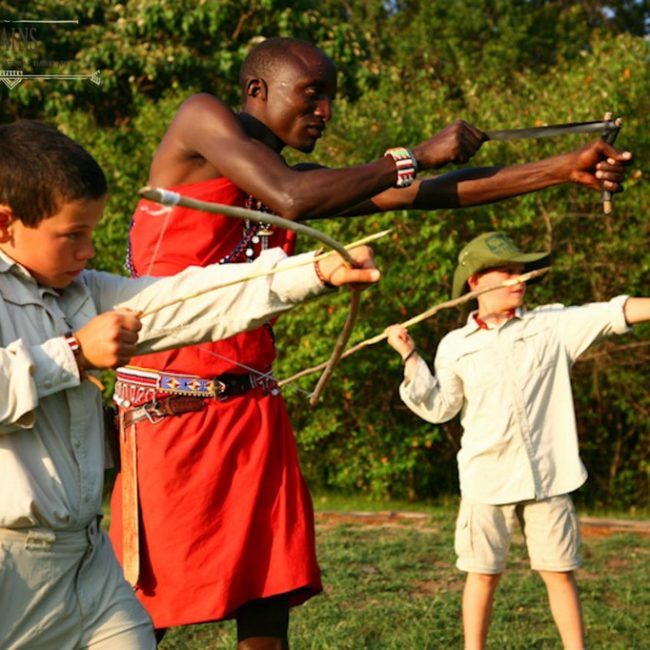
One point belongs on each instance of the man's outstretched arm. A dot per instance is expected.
(597, 165)
(206, 135)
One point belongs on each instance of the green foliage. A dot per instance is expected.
(406, 68)
(144, 48)
(379, 446)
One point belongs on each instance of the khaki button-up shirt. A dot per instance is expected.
(512, 387)
(51, 431)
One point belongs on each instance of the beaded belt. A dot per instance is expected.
(136, 386)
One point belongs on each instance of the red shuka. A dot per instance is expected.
(226, 516)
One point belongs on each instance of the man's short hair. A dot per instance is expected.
(263, 60)
(41, 169)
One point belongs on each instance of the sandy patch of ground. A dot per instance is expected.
(589, 526)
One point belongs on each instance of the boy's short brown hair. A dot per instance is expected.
(41, 169)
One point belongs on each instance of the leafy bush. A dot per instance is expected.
(405, 70)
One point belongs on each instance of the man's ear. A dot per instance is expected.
(6, 219)
(472, 281)
(256, 89)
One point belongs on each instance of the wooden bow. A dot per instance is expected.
(423, 316)
(170, 199)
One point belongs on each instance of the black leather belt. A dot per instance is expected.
(231, 384)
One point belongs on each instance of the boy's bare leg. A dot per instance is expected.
(478, 597)
(565, 606)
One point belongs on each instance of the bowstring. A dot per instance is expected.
(259, 373)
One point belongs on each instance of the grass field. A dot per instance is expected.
(390, 583)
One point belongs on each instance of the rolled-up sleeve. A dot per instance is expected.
(579, 327)
(31, 372)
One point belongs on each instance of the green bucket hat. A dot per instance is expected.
(489, 250)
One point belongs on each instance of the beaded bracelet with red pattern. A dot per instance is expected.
(406, 164)
(73, 343)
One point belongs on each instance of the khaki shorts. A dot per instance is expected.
(64, 590)
(550, 528)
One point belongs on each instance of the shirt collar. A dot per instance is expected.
(8, 264)
(474, 323)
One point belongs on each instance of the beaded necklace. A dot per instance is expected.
(254, 234)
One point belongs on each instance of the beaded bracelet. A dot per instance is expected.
(407, 165)
(319, 274)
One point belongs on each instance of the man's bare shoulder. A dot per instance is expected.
(203, 110)
(202, 126)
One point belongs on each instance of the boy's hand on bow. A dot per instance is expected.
(400, 340)
(335, 271)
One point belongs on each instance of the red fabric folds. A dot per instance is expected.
(226, 516)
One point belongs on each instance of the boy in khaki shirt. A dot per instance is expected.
(507, 373)
(60, 584)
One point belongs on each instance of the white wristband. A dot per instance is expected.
(406, 164)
